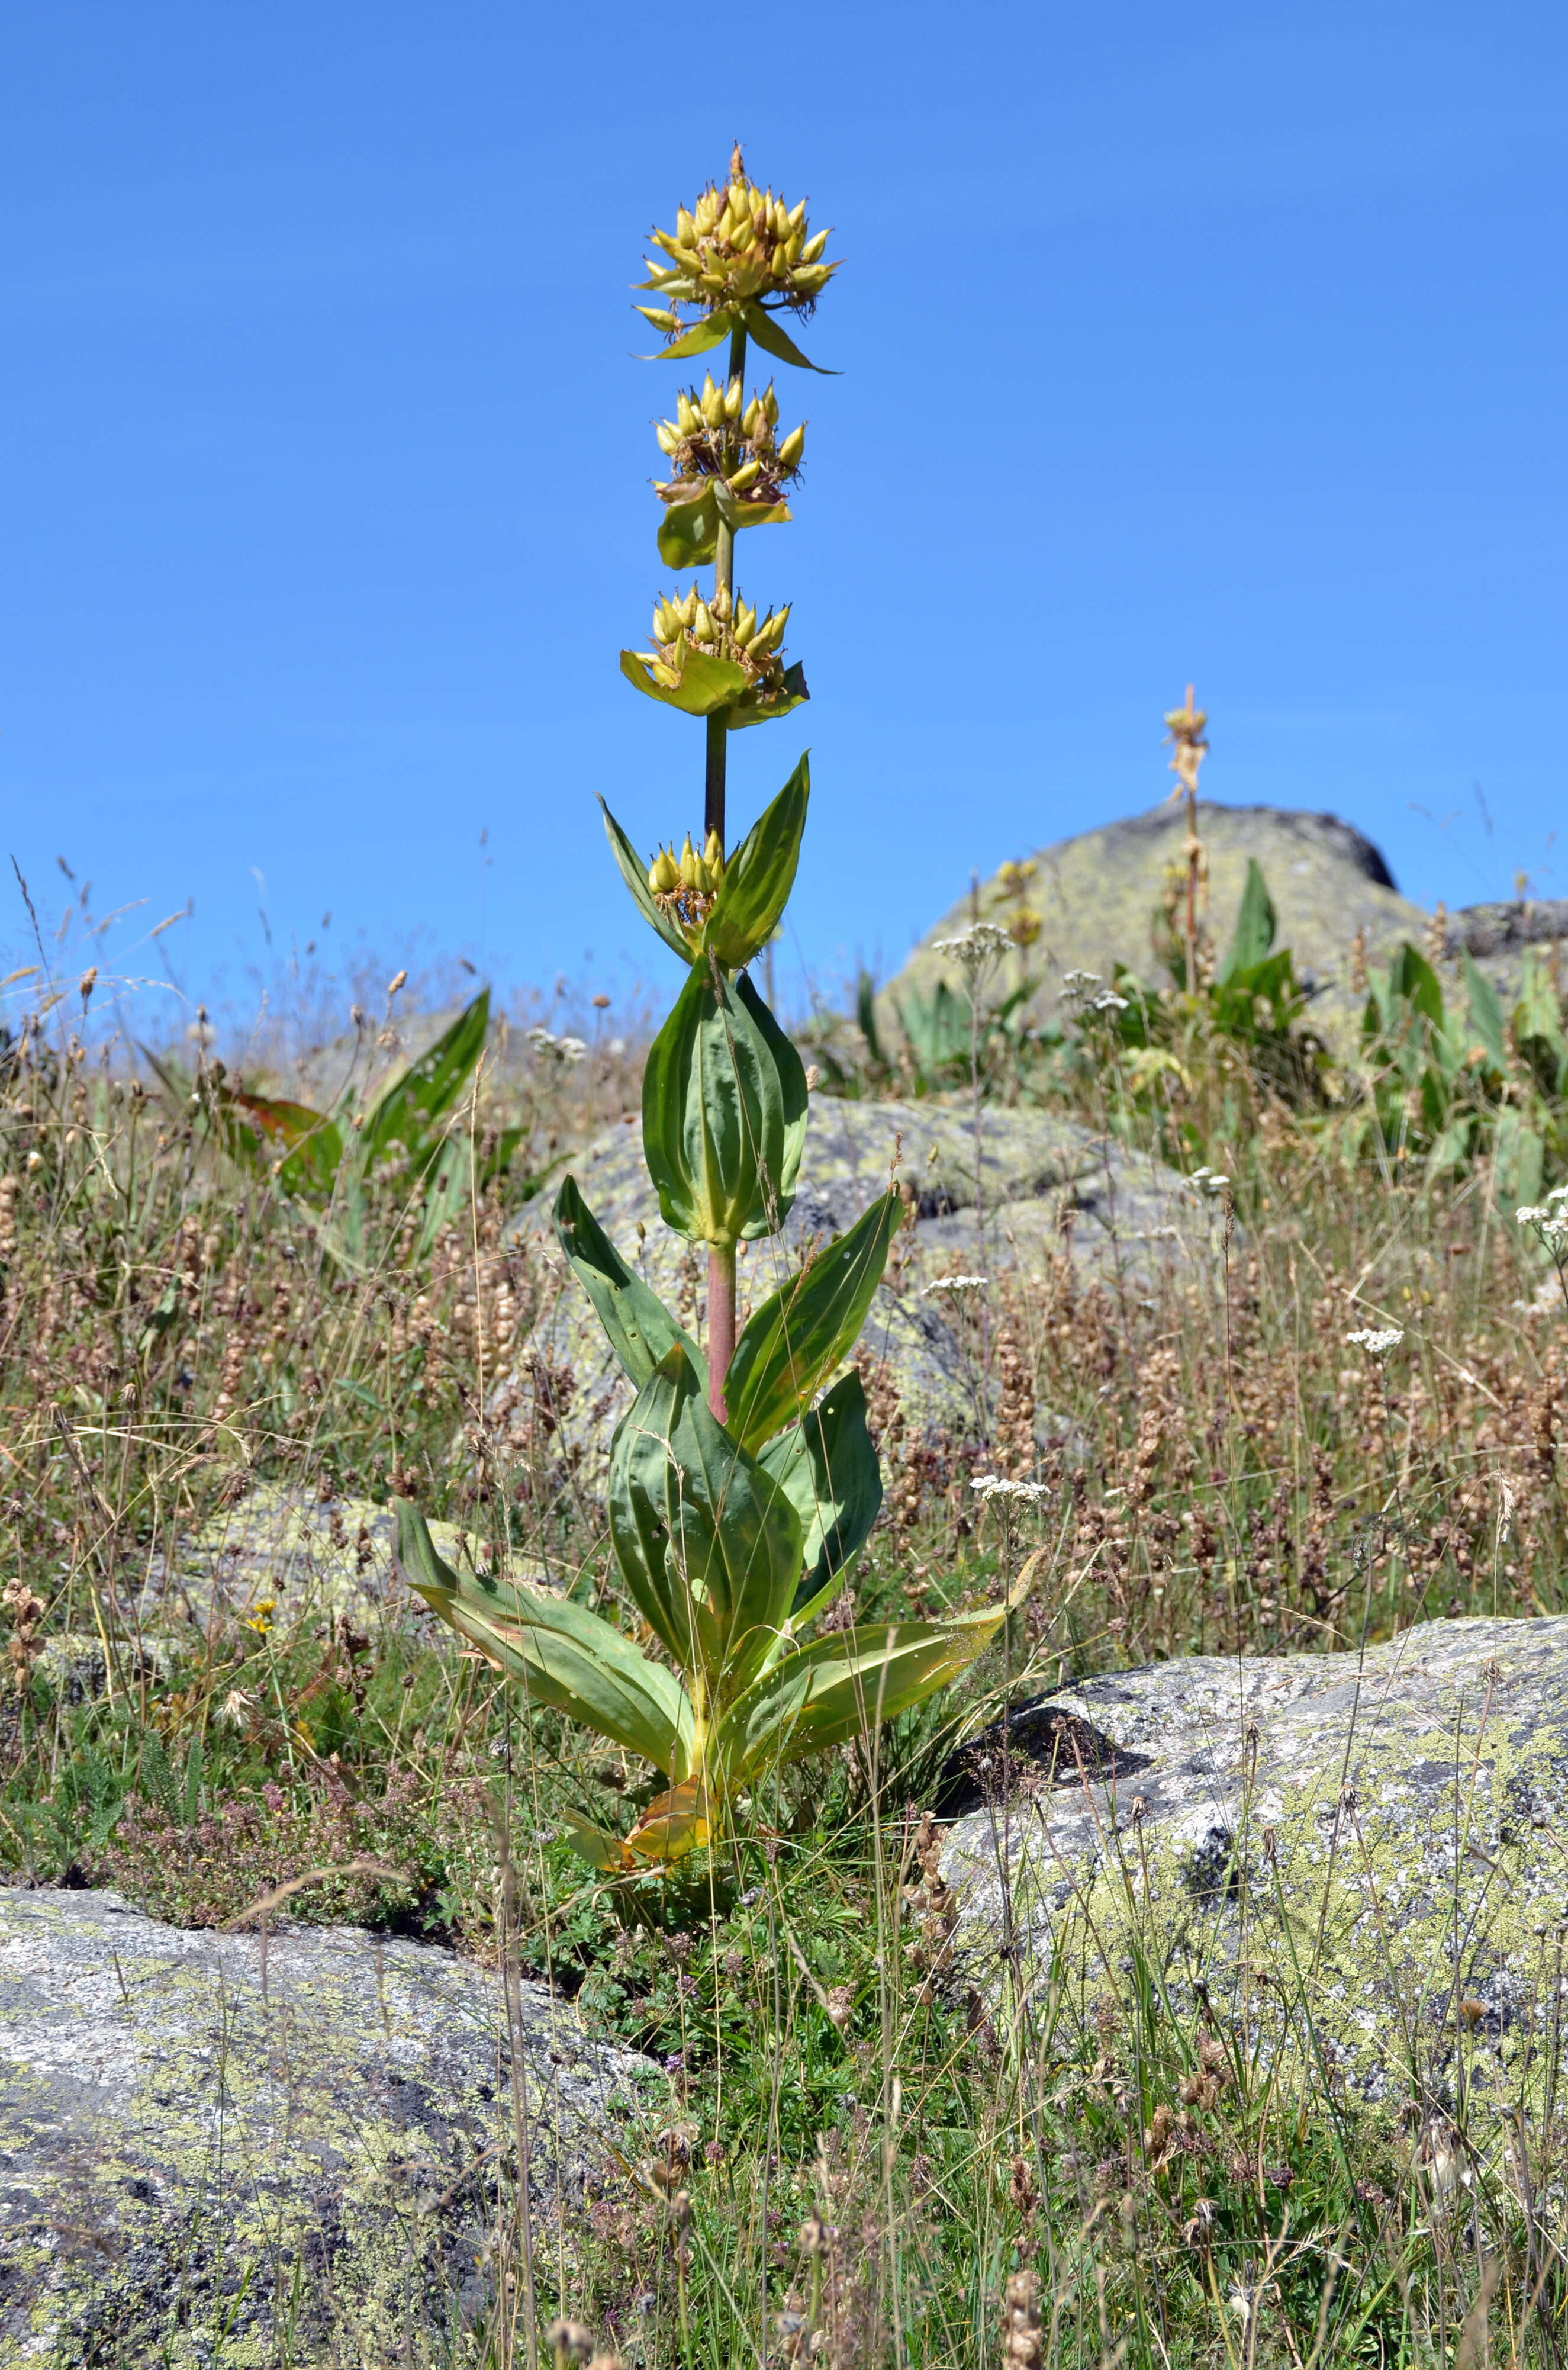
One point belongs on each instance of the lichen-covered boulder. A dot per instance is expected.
(213, 2149)
(1045, 1186)
(287, 1551)
(1374, 1844)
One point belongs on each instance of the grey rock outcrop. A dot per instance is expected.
(1384, 1838)
(217, 2149)
(1094, 895)
(1045, 1185)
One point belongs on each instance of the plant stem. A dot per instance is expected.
(724, 581)
(721, 1323)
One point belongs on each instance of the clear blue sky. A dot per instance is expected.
(1223, 342)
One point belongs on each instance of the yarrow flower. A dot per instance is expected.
(997, 1485)
(565, 1049)
(956, 1283)
(1213, 1180)
(980, 944)
(1108, 1001)
(1377, 1341)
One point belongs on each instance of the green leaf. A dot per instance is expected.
(634, 872)
(1487, 1022)
(256, 1129)
(698, 340)
(706, 684)
(1255, 925)
(937, 1027)
(602, 1851)
(1518, 1159)
(687, 532)
(774, 341)
(1538, 1024)
(708, 1543)
(794, 695)
(795, 1339)
(407, 1110)
(828, 1466)
(759, 875)
(724, 1113)
(640, 1327)
(865, 1013)
(1412, 981)
(845, 1684)
(560, 1652)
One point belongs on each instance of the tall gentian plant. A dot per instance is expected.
(742, 1479)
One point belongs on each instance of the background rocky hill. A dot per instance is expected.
(1095, 894)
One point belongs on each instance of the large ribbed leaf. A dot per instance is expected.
(640, 1327)
(708, 1544)
(844, 1685)
(724, 1113)
(795, 1340)
(560, 1652)
(828, 1466)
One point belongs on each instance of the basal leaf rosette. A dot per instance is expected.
(718, 654)
(731, 468)
(737, 258)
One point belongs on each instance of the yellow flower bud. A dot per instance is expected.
(722, 604)
(713, 856)
(732, 399)
(702, 626)
(704, 879)
(688, 863)
(669, 871)
(713, 403)
(745, 623)
(771, 404)
(747, 475)
(668, 436)
(685, 228)
(796, 217)
(658, 320)
(685, 418)
(793, 447)
(792, 248)
(748, 417)
(688, 609)
(810, 280)
(813, 248)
